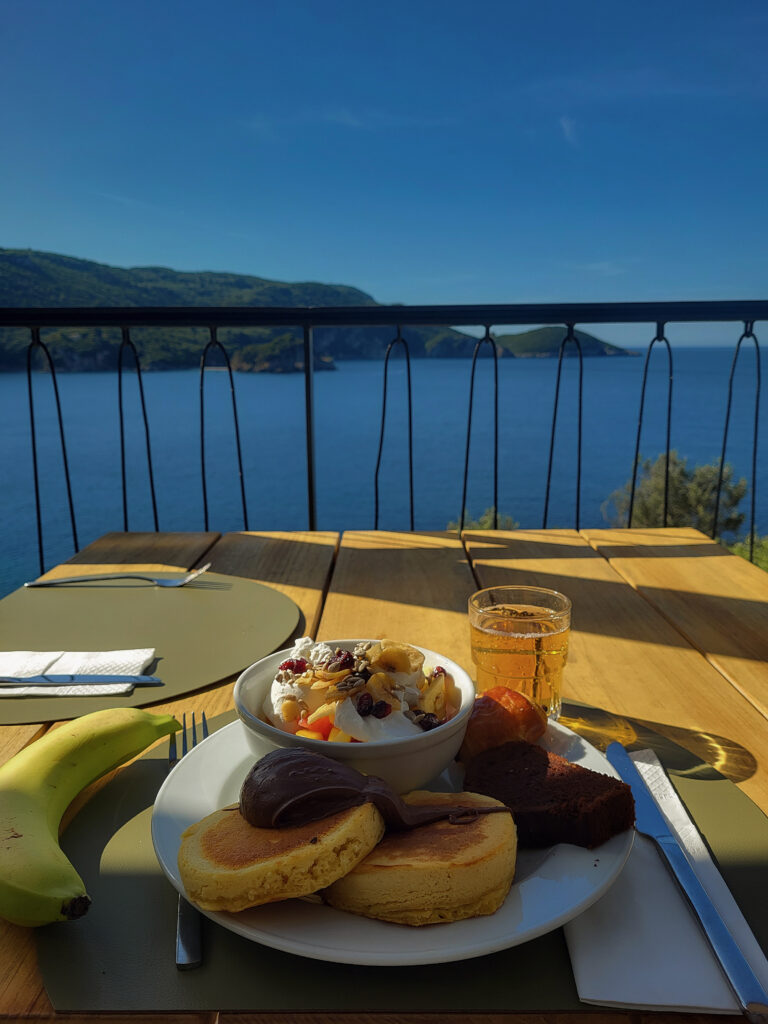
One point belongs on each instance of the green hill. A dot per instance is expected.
(31, 278)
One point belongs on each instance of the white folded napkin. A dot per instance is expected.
(641, 946)
(38, 663)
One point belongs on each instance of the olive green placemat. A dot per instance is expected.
(120, 956)
(202, 633)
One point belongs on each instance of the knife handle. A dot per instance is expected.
(751, 995)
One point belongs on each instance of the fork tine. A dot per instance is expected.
(205, 725)
(198, 572)
(183, 734)
(194, 731)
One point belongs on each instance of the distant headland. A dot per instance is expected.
(32, 278)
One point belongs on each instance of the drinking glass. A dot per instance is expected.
(519, 638)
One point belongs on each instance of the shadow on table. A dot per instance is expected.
(684, 752)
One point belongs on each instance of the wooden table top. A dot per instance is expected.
(669, 630)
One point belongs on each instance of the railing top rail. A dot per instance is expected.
(728, 310)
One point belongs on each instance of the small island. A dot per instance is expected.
(545, 343)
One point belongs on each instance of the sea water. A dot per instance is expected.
(348, 411)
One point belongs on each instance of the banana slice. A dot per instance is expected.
(395, 657)
(433, 695)
(381, 686)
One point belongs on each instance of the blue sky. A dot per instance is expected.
(426, 151)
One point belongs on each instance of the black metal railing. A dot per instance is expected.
(400, 342)
(126, 345)
(658, 339)
(307, 319)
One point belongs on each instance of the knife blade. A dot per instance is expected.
(750, 994)
(78, 680)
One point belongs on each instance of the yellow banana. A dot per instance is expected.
(38, 884)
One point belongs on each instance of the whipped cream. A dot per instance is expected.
(382, 692)
(369, 729)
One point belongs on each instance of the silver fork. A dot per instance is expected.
(189, 952)
(178, 581)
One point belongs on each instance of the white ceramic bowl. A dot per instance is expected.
(405, 764)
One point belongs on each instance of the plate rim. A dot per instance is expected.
(619, 846)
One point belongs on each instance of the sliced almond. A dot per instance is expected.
(323, 679)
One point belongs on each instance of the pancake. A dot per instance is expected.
(435, 873)
(227, 864)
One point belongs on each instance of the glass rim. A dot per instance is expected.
(519, 588)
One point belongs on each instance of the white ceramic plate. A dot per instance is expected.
(551, 887)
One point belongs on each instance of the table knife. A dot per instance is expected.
(78, 680)
(750, 994)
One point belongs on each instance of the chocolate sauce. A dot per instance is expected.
(291, 786)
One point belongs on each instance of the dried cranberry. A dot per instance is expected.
(364, 704)
(295, 665)
(439, 671)
(381, 709)
(429, 721)
(340, 661)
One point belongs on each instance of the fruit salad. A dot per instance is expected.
(380, 690)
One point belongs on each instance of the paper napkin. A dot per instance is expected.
(641, 946)
(37, 663)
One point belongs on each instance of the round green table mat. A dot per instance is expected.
(202, 633)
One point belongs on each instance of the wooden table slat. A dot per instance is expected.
(412, 587)
(297, 564)
(717, 601)
(155, 551)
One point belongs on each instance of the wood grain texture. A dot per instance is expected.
(717, 601)
(472, 1018)
(597, 1016)
(412, 587)
(120, 1018)
(14, 737)
(628, 660)
(155, 551)
(297, 564)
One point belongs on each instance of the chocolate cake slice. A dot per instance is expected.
(552, 800)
